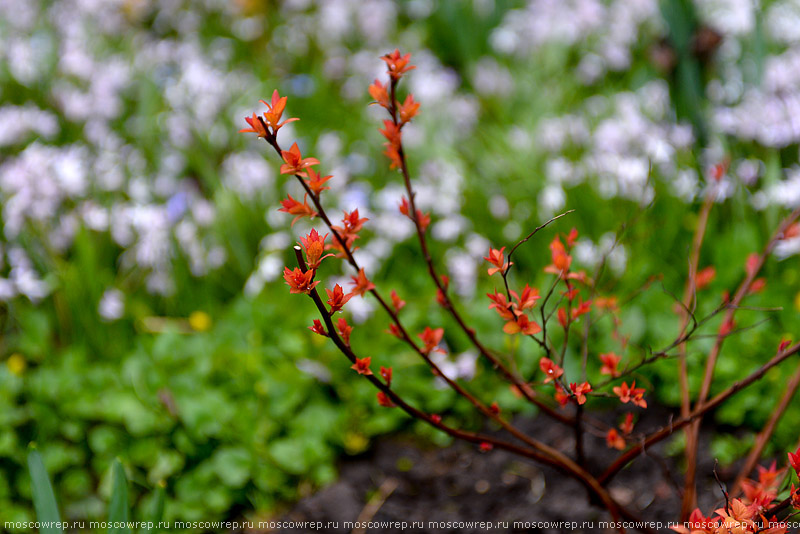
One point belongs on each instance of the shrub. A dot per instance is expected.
(571, 383)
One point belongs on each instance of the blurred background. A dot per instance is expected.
(142, 306)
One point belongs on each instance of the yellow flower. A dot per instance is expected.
(16, 364)
(200, 321)
(355, 443)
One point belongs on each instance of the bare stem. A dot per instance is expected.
(763, 437)
(507, 373)
(708, 377)
(546, 455)
(697, 413)
(689, 500)
(485, 410)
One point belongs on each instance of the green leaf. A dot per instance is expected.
(44, 500)
(118, 509)
(156, 510)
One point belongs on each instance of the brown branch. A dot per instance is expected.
(741, 292)
(663, 353)
(521, 386)
(781, 506)
(689, 500)
(690, 294)
(480, 406)
(697, 413)
(722, 490)
(708, 376)
(504, 273)
(763, 437)
(578, 431)
(547, 455)
(485, 410)
(548, 348)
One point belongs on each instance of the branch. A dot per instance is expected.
(689, 500)
(708, 376)
(546, 455)
(664, 353)
(504, 273)
(523, 388)
(690, 293)
(741, 292)
(533, 233)
(763, 437)
(272, 140)
(697, 413)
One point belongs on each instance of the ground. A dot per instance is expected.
(405, 481)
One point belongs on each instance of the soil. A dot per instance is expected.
(400, 480)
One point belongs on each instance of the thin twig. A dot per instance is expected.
(722, 489)
(763, 437)
(696, 414)
(688, 303)
(546, 455)
(711, 361)
(485, 410)
(578, 428)
(525, 239)
(447, 303)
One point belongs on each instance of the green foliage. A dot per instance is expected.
(44, 500)
(118, 516)
(118, 509)
(236, 417)
(727, 448)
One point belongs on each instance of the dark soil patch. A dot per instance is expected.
(459, 484)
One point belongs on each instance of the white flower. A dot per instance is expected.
(112, 305)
